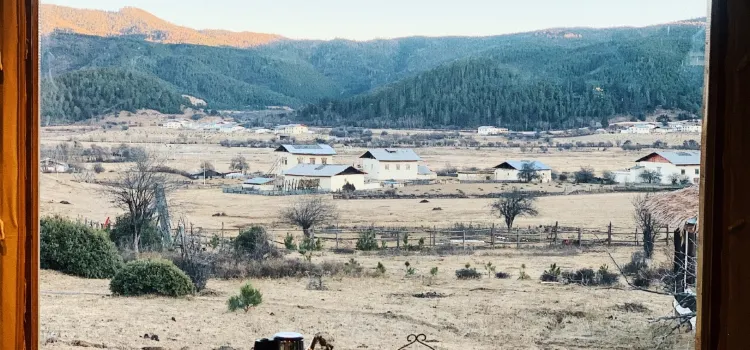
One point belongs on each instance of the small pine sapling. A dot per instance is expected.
(249, 297)
(522, 274)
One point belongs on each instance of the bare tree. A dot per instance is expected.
(207, 165)
(646, 222)
(514, 204)
(308, 212)
(585, 175)
(528, 172)
(650, 176)
(135, 191)
(239, 163)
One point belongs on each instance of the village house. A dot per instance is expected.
(292, 155)
(259, 184)
(291, 129)
(174, 124)
(424, 173)
(48, 165)
(639, 129)
(205, 174)
(391, 164)
(508, 170)
(491, 130)
(475, 175)
(323, 177)
(679, 165)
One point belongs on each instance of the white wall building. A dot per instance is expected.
(48, 165)
(174, 124)
(292, 155)
(639, 129)
(424, 173)
(508, 170)
(491, 130)
(291, 129)
(391, 164)
(259, 184)
(671, 165)
(330, 177)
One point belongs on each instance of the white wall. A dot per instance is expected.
(512, 175)
(665, 169)
(258, 187)
(334, 183)
(287, 161)
(379, 170)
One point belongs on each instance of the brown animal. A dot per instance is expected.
(324, 340)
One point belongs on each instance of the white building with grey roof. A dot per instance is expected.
(290, 156)
(509, 170)
(329, 177)
(391, 164)
(677, 166)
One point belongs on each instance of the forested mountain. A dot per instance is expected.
(538, 86)
(536, 80)
(134, 21)
(86, 93)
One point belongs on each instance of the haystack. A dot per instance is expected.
(674, 208)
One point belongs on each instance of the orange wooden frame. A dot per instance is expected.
(19, 143)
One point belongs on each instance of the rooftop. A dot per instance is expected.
(322, 170)
(258, 181)
(677, 158)
(317, 149)
(518, 164)
(423, 170)
(391, 154)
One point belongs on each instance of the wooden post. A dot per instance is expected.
(554, 240)
(579, 236)
(636, 236)
(222, 235)
(667, 239)
(492, 236)
(518, 238)
(337, 239)
(609, 233)
(398, 240)
(434, 235)
(464, 240)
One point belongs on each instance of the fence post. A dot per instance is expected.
(518, 238)
(434, 235)
(554, 240)
(337, 239)
(636, 236)
(464, 240)
(579, 236)
(492, 236)
(222, 235)
(609, 233)
(398, 240)
(667, 240)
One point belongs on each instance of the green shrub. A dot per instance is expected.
(289, 242)
(380, 268)
(409, 270)
(589, 277)
(310, 244)
(249, 297)
(468, 273)
(502, 275)
(606, 278)
(551, 275)
(353, 268)
(367, 241)
(197, 268)
(253, 242)
(522, 275)
(151, 276)
(77, 249)
(434, 271)
(122, 234)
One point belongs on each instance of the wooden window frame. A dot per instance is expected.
(724, 271)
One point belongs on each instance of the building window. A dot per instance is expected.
(682, 171)
(300, 160)
(387, 167)
(324, 160)
(312, 160)
(398, 166)
(697, 171)
(283, 160)
(408, 167)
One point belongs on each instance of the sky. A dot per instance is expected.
(365, 20)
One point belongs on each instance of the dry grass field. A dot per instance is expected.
(361, 313)
(374, 313)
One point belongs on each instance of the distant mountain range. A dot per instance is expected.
(542, 79)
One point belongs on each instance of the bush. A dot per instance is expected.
(588, 277)
(367, 241)
(585, 175)
(199, 270)
(551, 275)
(636, 264)
(289, 242)
(468, 273)
(151, 276)
(606, 278)
(77, 249)
(98, 168)
(253, 242)
(380, 268)
(122, 234)
(249, 297)
(502, 275)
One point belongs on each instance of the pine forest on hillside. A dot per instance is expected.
(529, 81)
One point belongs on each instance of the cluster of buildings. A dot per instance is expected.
(308, 167)
(659, 128)
(233, 127)
(679, 166)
